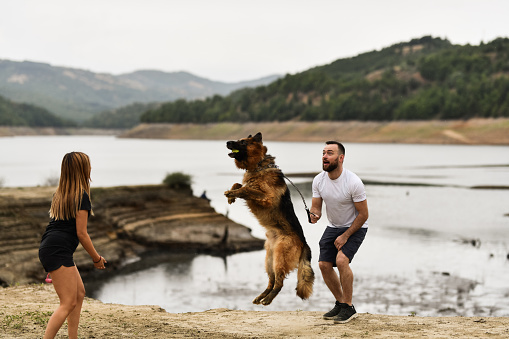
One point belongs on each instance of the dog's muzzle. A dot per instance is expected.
(231, 145)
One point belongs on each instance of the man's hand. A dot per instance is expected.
(340, 241)
(315, 213)
(314, 218)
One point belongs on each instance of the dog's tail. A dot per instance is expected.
(305, 274)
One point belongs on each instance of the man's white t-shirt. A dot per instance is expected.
(339, 196)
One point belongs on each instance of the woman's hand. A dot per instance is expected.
(100, 264)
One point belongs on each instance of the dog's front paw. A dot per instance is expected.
(236, 186)
(230, 196)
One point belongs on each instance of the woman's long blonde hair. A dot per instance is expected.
(74, 180)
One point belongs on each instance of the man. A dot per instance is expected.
(347, 212)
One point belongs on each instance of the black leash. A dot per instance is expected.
(302, 197)
(291, 182)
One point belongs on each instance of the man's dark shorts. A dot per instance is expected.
(328, 251)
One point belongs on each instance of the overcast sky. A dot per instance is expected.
(231, 40)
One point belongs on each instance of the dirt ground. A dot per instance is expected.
(24, 311)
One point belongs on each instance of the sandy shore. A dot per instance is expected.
(466, 132)
(24, 311)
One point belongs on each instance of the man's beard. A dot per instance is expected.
(331, 166)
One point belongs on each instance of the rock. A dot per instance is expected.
(128, 221)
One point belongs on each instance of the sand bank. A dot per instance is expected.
(25, 309)
(468, 132)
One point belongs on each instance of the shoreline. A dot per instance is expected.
(28, 307)
(462, 132)
(487, 131)
(14, 131)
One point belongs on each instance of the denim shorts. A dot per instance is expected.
(328, 251)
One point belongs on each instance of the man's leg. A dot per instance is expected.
(333, 283)
(328, 255)
(345, 277)
(348, 312)
(331, 279)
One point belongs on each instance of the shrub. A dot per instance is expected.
(51, 181)
(177, 180)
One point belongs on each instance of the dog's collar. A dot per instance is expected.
(258, 169)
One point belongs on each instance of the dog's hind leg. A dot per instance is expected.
(278, 285)
(286, 258)
(263, 295)
(268, 268)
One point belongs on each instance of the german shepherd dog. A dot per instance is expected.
(267, 196)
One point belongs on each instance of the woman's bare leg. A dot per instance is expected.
(64, 282)
(73, 319)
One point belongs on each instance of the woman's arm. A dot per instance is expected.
(84, 238)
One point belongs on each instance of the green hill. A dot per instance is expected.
(123, 117)
(80, 94)
(20, 114)
(426, 78)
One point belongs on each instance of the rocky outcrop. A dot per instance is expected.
(128, 221)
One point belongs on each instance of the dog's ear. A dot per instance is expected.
(258, 137)
(249, 136)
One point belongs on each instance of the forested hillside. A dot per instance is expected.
(123, 117)
(426, 78)
(20, 114)
(79, 95)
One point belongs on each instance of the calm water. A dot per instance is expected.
(432, 250)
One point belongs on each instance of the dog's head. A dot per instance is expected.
(247, 152)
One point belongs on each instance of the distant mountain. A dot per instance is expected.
(425, 78)
(79, 94)
(123, 117)
(20, 114)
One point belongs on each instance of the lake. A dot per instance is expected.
(435, 245)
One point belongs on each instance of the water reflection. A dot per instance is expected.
(183, 283)
(400, 271)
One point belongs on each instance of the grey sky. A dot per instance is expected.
(231, 40)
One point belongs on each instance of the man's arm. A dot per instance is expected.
(316, 209)
(362, 208)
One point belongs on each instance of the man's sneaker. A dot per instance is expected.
(335, 311)
(345, 315)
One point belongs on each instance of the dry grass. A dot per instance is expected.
(474, 131)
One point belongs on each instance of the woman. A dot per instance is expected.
(69, 212)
